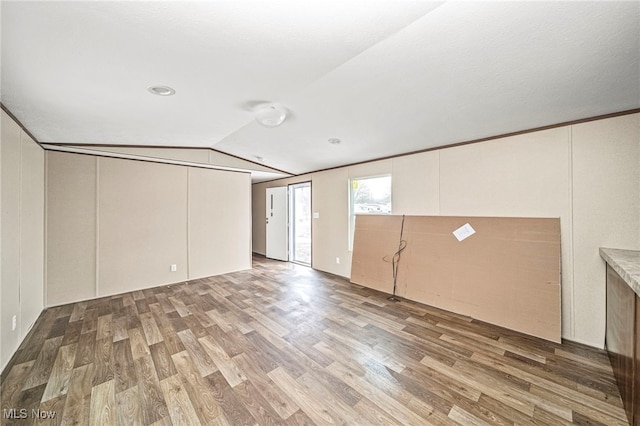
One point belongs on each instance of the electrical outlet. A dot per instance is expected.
(14, 322)
(174, 267)
(338, 260)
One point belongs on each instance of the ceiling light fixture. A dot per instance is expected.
(334, 141)
(161, 90)
(270, 115)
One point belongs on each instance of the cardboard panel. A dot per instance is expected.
(507, 273)
(376, 239)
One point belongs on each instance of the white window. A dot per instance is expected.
(368, 195)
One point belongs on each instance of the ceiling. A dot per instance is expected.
(385, 77)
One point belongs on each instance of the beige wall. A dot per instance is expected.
(31, 233)
(215, 199)
(258, 218)
(416, 184)
(10, 235)
(71, 227)
(585, 174)
(132, 221)
(606, 210)
(22, 235)
(191, 155)
(330, 238)
(142, 220)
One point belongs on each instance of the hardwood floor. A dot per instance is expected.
(284, 344)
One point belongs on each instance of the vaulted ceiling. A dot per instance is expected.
(385, 77)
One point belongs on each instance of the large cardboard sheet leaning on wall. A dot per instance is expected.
(376, 239)
(506, 272)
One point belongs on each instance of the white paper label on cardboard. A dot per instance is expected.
(465, 231)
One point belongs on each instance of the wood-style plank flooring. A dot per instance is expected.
(284, 344)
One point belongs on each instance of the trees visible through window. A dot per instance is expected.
(369, 195)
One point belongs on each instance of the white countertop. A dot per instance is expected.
(626, 263)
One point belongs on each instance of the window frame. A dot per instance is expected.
(351, 204)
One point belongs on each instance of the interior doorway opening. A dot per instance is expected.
(300, 223)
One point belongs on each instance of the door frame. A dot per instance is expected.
(291, 226)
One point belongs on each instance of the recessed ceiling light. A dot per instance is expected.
(334, 141)
(161, 90)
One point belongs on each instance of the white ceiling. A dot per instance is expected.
(386, 77)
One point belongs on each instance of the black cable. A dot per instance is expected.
(395, 260)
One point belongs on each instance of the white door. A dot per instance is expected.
(277, 236)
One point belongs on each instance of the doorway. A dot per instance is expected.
(300, 223)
